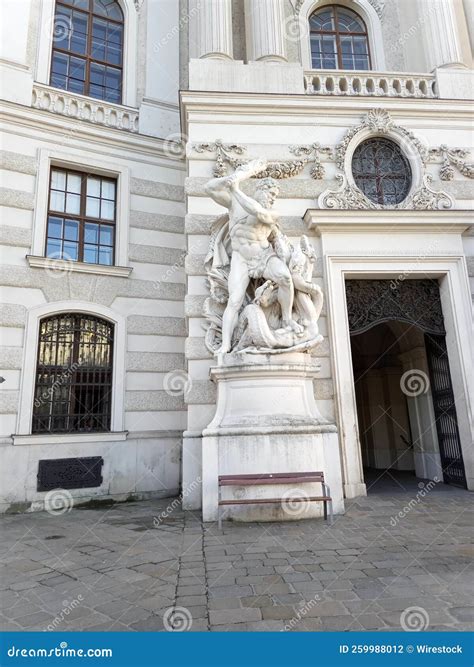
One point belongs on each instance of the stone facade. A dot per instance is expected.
(246, 81)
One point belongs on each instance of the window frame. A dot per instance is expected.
(74, 383)
(337, 34)
(87, 57)
(130, 53)
(86, 162)
(23, 435)
(82, 218)
(365, 10)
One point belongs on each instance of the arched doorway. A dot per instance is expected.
(405, 404)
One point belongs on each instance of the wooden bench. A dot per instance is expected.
(274, 478)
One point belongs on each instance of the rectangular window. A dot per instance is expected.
(81, 217)
(73, 389)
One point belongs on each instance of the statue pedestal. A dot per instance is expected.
(267, 421)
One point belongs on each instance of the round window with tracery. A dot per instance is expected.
(382, 171)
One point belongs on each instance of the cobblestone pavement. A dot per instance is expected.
(123, 567)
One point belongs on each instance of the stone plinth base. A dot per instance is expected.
(267, 421)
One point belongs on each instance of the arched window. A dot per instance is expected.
(88, 48)
(338, 39)
(73, 389)
(381, 171)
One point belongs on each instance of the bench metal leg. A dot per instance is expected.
(327, 492)
(219, 515)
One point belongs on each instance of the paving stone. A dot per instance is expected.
(256, 601)
(230, 591)
(226, 603)
(226, 616)
(278, 612)
(465, 614)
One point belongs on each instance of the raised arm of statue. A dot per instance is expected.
(252, 206)
(219, 190)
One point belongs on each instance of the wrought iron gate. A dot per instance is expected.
(445, 411)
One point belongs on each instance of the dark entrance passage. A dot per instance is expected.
(405, 402)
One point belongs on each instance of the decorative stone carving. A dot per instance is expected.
(379, 7)
(277, 170)
(138, 4)
(349, 197)
(262, 298)
(379, 121)
(370, 302)
(452, 158)
(312, 154)
(222, 154)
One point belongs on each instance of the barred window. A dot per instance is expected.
(81, 217)
(88, 48)
(339, 39)
(73, 391)
(382, 171)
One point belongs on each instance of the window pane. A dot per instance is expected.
(57, 201)
(323, 20)
(80, 4)
(107, 210)
(93, 186)
(73, 204)
(58, 180)
(70, 250)
(109, 8)
(71, 230)
(106, 235)
(55, 227)
(60, 63)
(348, 21)
(91, 254)
(93, 207)
(105, 255)
(108, 190)
(53, 248)
(91, 233)
(74, 183)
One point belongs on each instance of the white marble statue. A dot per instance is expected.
(262, 295)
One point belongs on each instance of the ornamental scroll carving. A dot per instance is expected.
(226, 156)
(371, 302)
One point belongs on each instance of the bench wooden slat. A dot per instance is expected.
(238, 481)
(258, 501)
(273, 475)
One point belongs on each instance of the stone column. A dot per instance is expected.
(265, 28)
(213, 28)
(440, 28)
